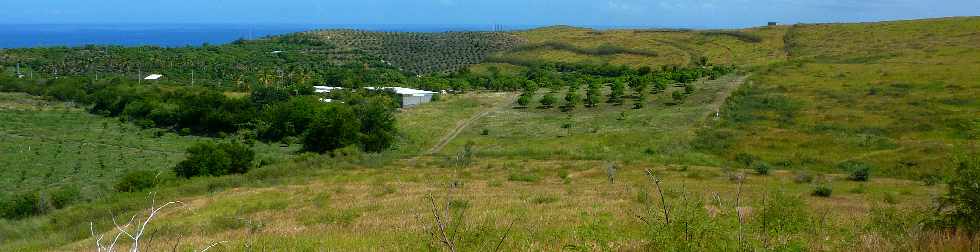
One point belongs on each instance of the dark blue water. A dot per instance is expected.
(176, 35)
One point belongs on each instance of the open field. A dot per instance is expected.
(48, 145)
(555, 205)
(657, 132)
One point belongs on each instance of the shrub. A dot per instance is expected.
(858, 171)
(745, 159)
(135, 181)
(332, 128)
(62, 197)
(822, 191)
(548, 100)
(377, 122)
(761, 168)
(963, 194)
(524, 100)
(678, 96)
(485, 132)
(18, 206)
(211, 159)
(783, 214)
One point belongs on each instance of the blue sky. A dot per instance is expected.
(645, 13)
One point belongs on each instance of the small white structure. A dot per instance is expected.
(325, 89)
(153, 77)
(409, 97)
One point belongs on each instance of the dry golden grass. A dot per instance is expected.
(548, 213)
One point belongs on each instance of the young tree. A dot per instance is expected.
(618, 89)
(592, 95)
(678, 97)
(963, 195)
(548, 100)
(524, 100)
(659, 84)
(572, 98)
(530, 87)
(377, 123)
(641, 99)
(333, 127)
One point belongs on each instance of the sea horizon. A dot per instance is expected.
(197, 34)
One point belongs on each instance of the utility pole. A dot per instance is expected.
(192, 78)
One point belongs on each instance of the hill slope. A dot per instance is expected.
(898, 95)
(424, 53)
(545, 179)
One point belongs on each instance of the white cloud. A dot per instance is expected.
(620, 6)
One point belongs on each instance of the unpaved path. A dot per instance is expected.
(726, 91)
(463, 124)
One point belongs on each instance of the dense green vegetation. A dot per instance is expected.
(215, 159)
(298, 58)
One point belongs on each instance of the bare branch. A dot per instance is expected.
(212, 245)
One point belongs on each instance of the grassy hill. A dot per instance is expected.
(891, 94)
(647, 47)
(897, 95)
(816, 101)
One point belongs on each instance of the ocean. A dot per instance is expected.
(177, 35)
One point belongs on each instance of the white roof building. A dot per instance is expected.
(404, 91)
(325, 89)
(153, 77)
(409, 97)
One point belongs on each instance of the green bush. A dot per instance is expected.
(783, 214)
(62, 197)
(332, 128)
(822, 191)
(762, 168)
(745, 159)
(135, 181)
(963, 194)
(20, 205)
(678, 97)
(548, 100)
(211, 159)
(524, 100)
(859, 171)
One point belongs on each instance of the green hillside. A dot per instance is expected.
(825, 137)
(897, 95)
(891, 94)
